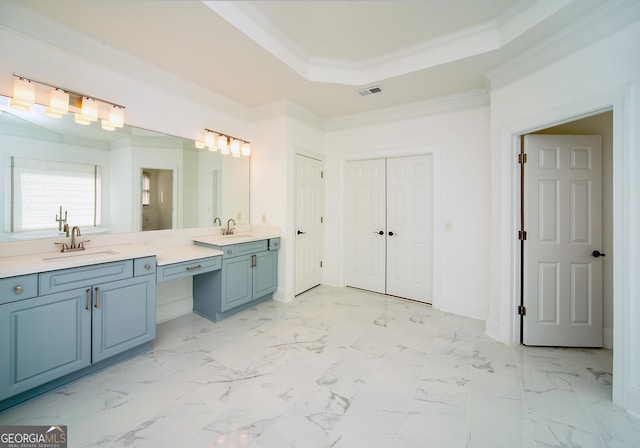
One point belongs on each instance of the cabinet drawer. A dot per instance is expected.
(251, 247)
(188, 268)
(18, 288)
(274, 244)
(144, 266)
(81, 277)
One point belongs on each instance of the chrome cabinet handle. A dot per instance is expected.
(191, 268)
(18, 289)
(97, 297)
(254, 261)
(147, 266)
(88, 299)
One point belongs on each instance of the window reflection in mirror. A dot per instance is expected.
(206, 185)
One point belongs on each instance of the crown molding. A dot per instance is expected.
(609, 18)
(471, 41)
(471, 99)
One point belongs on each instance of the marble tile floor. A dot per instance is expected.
(340, 368)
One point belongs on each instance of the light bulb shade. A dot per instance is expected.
(235, 147)
(209, 140)
(199, 145)
(52, 113)
(89, 109)
(223, 144)
(80, 120)
(116, 116)
(58, 102)
(24, 94)
(107, 125)
(246, 149)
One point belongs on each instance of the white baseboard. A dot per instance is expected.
(607, 338)
(472, 310)
(173, 309)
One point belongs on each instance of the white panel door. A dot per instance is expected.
(366, 226)
(563, 219)
(309, 227)
(410, 227)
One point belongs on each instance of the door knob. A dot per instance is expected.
(379, 233)
(597, 253)
(301, 233)
(391, 233)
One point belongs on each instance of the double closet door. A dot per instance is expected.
(389, 230)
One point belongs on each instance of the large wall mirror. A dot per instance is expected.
(126, 180)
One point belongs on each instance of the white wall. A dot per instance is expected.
(602, 75)
(283, 129)
(463, 172)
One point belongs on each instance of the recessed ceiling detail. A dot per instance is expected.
(470, 41)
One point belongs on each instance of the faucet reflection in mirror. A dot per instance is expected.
(60, 102)
(214, 140)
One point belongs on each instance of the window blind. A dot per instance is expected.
(41, 187)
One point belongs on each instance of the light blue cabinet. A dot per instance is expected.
(249, 275)
(124, 316)
(81, 320)
(43, 339)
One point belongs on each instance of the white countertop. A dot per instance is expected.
(179, 254)
(240, 237)
(11, 266)
(51, 261)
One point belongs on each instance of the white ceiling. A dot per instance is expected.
(320, 53)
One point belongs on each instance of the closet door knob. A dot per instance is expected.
(391, 233)
(379, 233)
(597, 253)
(301, 232)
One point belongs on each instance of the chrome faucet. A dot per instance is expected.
(229, 229)
(75, 232)
(219, 221)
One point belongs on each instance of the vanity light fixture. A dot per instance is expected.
(78, 118)
(89, 109)
(24, 94)
(227, 144)
(59, 102)
(235, 148)
(246, 149)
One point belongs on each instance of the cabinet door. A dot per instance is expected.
(265, 273)
(43, 339)
(124, 315)
(236, 282)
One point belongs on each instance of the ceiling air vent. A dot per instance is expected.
(370, 91)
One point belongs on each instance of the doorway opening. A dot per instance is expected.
(157, 199)
(599, 124)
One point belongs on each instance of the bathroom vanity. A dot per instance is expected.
(65, 315)
(59, 324)
(248, 275)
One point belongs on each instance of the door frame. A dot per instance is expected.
(310, 155)
(506, 260)
(432, 150)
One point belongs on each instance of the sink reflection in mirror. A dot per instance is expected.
(206, 184)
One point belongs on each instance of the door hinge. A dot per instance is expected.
(522, 235)
(321, 220)
(320, 263)
(522, 310)
(321, 174)
(522, 158)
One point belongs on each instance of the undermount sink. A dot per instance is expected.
(63, 256)
(239, 235)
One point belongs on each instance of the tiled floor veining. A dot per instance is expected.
(340, 368)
